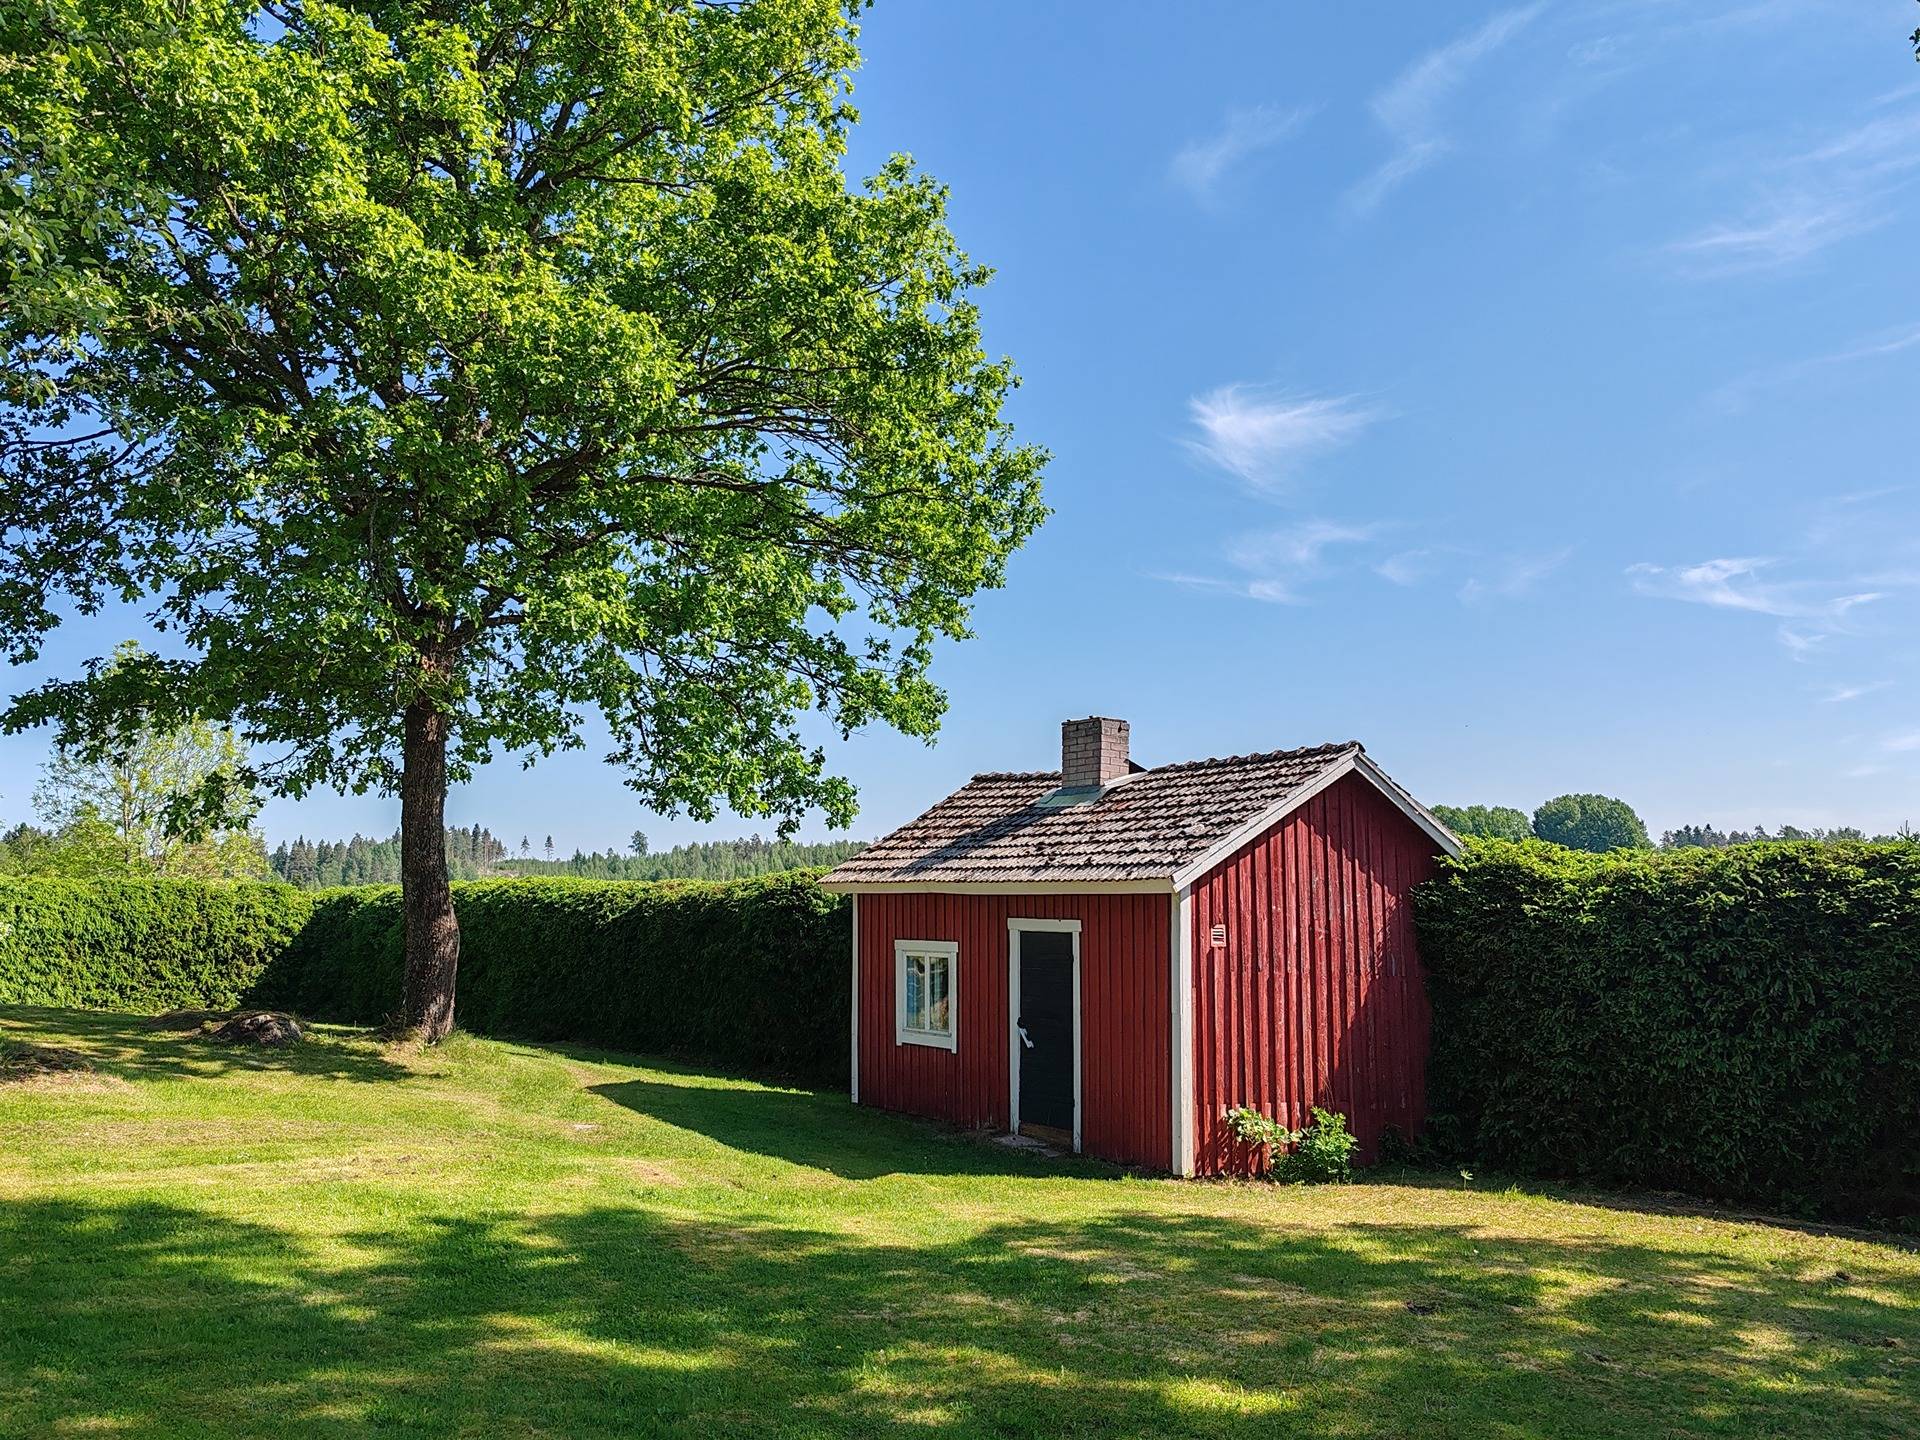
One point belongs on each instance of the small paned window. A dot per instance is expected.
(926, 998)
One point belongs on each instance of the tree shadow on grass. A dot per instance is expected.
(823, 1130)
(151, 1319)
(1638, 1202)
(129, 1047)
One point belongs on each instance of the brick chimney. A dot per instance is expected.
(1092, 752)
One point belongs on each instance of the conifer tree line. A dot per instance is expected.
(476, 853)
(702, 860)
(472, 854)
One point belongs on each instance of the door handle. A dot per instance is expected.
(1025, 1039)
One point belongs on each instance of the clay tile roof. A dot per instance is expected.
(1146, 826)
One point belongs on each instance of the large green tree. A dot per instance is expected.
(441, 371)
(1590, 822)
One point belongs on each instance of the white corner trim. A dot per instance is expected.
(1180, 1007)
(1014, 1046)
(901, 1034)
(853, 1080)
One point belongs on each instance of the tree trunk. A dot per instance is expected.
(433, 934)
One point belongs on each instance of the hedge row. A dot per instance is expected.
(751, 973)
(1740, 1023)
(145, 945)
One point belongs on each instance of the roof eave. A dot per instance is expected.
(1354, 762)
(1410, 807)
(1142, 885)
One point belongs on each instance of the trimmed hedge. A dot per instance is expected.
(145, 945)
(750, 973)
(1741, 1023)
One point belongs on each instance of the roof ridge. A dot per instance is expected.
(1301, 752)
(1298, 752)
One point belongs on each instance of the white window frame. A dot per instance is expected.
(903, 953)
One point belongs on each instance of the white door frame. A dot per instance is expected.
(1014, 1045)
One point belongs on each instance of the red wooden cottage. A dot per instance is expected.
(1115, 957)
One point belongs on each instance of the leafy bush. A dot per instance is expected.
(144, 945)
(1741, 1023)
(1494, 822)
(750, 973)
(1320, 1154)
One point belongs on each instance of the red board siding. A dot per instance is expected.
(1125, 1099)
(1317, 997)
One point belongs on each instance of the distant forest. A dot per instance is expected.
(477, 853)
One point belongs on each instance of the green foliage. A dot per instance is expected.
(1598, 823)
(749, 974)
(138, 798)
(473, 853)
(1491, 822)
(495, 363)
(752, 974)
(700, 860)
(1708, 838)
(145, 945)
(1321, 1154)
(1740, 1023)
(86, 848)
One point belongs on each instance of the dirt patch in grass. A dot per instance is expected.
(22, 1064)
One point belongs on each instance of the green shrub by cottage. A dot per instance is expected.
(1320, 1154)
(1741, 1023)
(750, 973)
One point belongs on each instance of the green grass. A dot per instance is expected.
(501, 1240)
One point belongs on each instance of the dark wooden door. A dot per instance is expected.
(1046, 1022)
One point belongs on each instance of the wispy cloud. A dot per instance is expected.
(1809, 611)
(1804, 201)
(1901, 743)
(1201, 165)
(1513, 577)
(1737, 394)
(1881, 146)
(1799, 644)
(1742, 584)
(1409, 567)
(1263, 435)
(1786, 230)
(1841, 694)
(1275, 566)
(1409, 109)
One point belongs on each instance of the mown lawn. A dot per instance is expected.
(504, 1240)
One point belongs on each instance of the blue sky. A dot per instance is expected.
(1524, 390)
